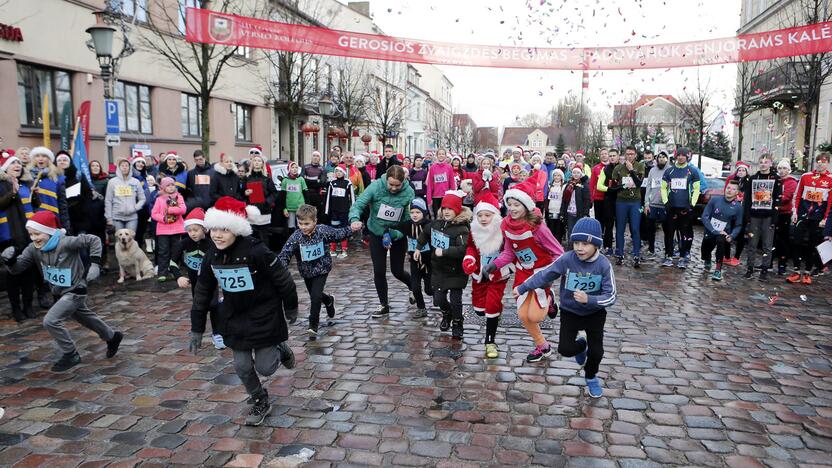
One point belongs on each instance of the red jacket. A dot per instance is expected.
(787, 198)
(593, 181)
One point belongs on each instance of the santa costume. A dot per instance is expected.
(484, 245)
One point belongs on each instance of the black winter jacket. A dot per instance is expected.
(198, 187)
(257, 294)
(583, 199)
(446, 270)
(225, 183)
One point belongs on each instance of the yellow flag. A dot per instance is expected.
(45, 118)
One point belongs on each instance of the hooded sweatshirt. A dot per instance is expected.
(62, 265)
(124, 198)
(441, 178)
(653, 194)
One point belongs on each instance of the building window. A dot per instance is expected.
(243, 52)
(133, 8)
(191, 121)
(183, 6)
(134, 108)
(33, 83)
(242, 119)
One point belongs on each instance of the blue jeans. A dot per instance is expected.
(627, 211)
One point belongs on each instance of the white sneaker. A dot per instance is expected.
(218, 342)
(344, 254)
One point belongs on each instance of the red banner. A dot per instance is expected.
(219, 28)
(84, 123)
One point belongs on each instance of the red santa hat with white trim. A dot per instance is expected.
(232, 214)
(196, 216)
(524, 193)
(171, 154)
(7, 157)
(486, 201)
(45, 222)
(256, 150)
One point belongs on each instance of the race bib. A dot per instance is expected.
(439, 240)
(234, 279)
(389, 213)
(526, 256)
(761, 194)
(311, 252)
(815, 195)
(124, 191)
(439, 178)
(486, 259)
(417, 184)
(644, 182)
(627, 182)
(718, 225)
(194, 262)
(413, 243)
(678, 183)
(58, 276)
(294, 188)
(583, 282)
(202, 179)
(655, 183)
(339, 192)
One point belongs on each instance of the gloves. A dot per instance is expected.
(196, 342)
(292, 316)
(488, 269)
(486, 175)
(469, 266)
(94, 272)
(387, 240)
(7, 254)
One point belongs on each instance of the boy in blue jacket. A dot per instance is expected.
(587, 288)
(309, 244)
(722, 220)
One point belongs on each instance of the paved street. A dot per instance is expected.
(695, 373)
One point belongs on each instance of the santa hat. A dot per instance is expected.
(743, 164)
(38, 150)
(7, 158)
(139, 158)
(255, 150)
(62, 154)
(229, 213)
(524, 193)
(453, 200)
(517, 148)
(291, 165)
(45, 222)
(196, 216)
(171, 154)
(340, 168)
(486, 201)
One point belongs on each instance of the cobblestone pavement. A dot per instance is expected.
(695, 373)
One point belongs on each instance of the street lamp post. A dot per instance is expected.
(327, 109)
(102, 44)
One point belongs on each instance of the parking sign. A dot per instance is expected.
(111, 116)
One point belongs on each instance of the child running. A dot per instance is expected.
(484, 245)
(308, 244)
(59, 256)
(256, 290)
(587, 288)
(419, 269)
(447, 237)
(193, 248)
(531, 247)
(340, 195)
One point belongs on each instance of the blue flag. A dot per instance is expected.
(79, 156)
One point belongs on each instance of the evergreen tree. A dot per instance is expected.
(717, 146)
(560, 146)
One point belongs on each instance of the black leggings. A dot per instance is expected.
(315, 286)
(557, 227)
(436, 203)
(806, 251)
(718, 242)
(608, 223)
(679, 220)
(378, 254)
(418, 276)
(593, 324)
(782, 247)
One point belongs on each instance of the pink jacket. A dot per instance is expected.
(544, 238)
(161, 212)
(441, 178)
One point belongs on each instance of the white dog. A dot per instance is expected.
(131, 260)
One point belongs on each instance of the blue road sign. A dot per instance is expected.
(111, 115)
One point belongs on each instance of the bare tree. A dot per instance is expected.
(625, 122)
(387, 104)
(744, 102)
(351, 95)
(462, 134)
(437, 128)
(199, 64)
(806, 74)
(697, 110)
(531, 120)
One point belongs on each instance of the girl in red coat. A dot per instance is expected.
(531, 247)
(484, 245)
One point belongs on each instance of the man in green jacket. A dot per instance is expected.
(628, 175)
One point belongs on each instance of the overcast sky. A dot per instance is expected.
(494, 97)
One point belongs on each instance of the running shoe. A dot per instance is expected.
(707, 265)
(668, 262)
(344, 254)
(636, 262)
(491, 351)
(683, 263)
(794, 278)
(219, 343)
(580, 358)
(717, 275)
(539, 352)
(619, 260)
(382, 311)
(330, 307)
(807, 279)
(593, 386)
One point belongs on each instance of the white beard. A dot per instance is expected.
(488, 239)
